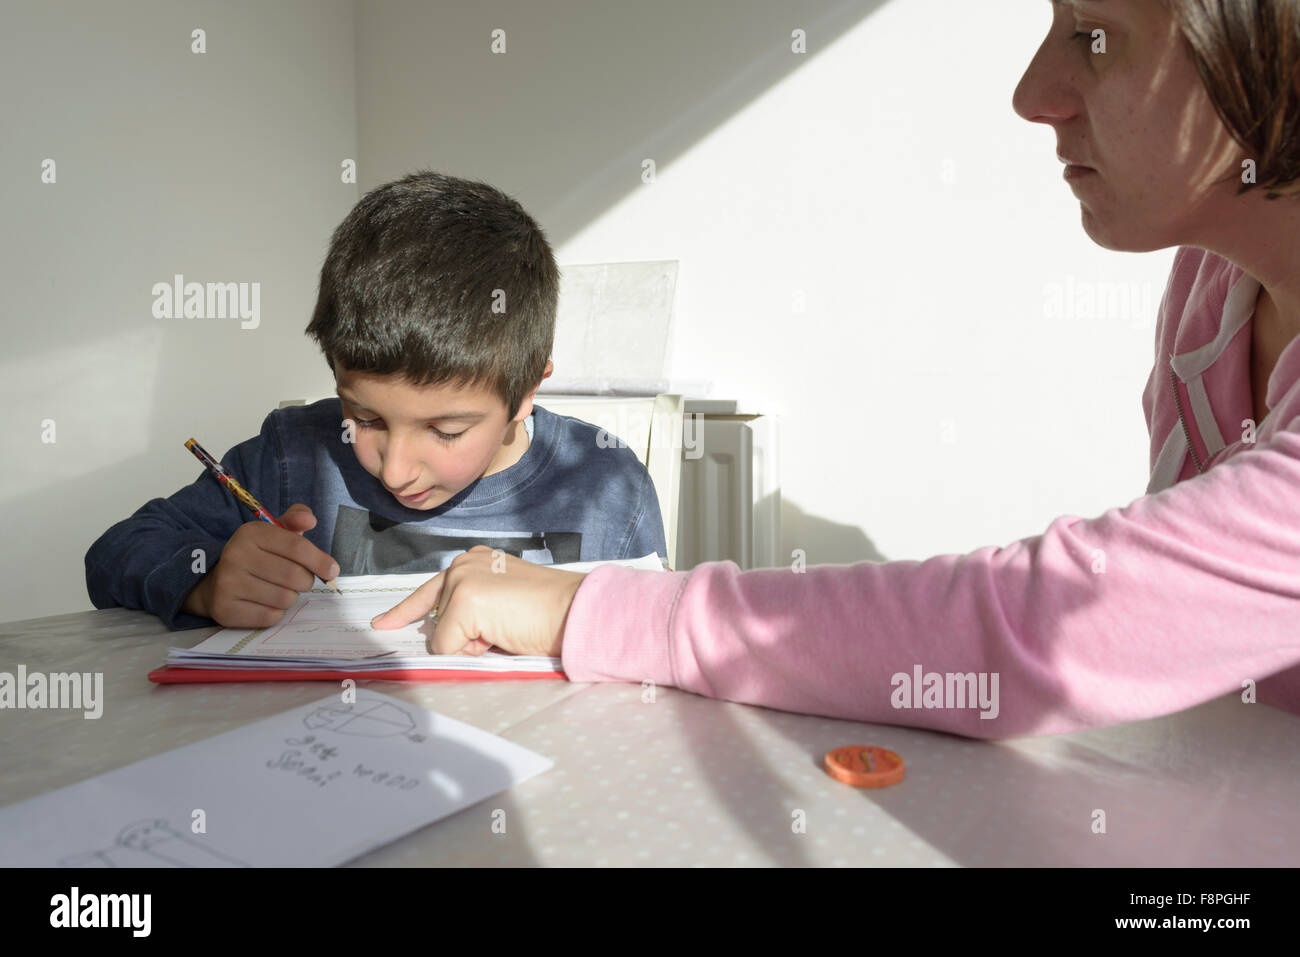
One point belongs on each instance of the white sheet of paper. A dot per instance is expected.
(312, 787)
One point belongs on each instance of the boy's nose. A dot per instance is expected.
(398, 469)
(399, 482)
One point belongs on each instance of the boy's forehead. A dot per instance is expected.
(398, 397)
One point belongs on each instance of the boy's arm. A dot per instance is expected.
(646, 533)
(153, 560)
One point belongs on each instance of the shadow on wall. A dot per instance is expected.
(606, 86)
(823, 541)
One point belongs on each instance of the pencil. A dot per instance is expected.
(241, 493)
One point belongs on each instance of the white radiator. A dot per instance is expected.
(730, 491)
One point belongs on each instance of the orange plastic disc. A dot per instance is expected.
(864, 766)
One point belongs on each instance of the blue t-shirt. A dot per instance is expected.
(571, 497)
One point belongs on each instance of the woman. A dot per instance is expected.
(1175, 132)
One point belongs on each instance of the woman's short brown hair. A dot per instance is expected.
(1248, 55)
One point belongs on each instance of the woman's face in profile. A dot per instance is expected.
(1139, 116)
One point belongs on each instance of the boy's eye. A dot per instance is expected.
(444, 436)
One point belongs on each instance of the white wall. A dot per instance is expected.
(882, 180)
(221, 166)
(778, 175)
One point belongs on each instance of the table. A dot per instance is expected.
(687, 780)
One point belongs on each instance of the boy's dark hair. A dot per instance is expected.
(438, 279)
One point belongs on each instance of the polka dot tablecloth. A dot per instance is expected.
(675, 779)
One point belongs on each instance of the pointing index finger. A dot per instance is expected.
(413, 607)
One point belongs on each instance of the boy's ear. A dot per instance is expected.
(526, 406)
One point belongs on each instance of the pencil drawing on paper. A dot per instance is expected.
(152, 843)
(369, 719)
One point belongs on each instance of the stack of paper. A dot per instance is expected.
(328, 633)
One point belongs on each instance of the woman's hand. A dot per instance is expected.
(487, 598)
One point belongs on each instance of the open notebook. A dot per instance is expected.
(327, 635)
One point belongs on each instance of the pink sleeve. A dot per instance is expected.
(1145, 610)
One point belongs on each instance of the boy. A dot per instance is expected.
(436, 313)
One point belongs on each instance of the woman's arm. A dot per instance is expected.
(1173, 600)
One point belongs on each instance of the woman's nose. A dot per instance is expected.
(1045, 93)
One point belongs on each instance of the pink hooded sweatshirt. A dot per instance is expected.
(1190, 592)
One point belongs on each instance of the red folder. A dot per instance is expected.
(170, 675)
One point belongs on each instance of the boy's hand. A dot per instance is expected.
(485, 599)
(261, 571)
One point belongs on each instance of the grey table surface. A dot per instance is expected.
(685, 780)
